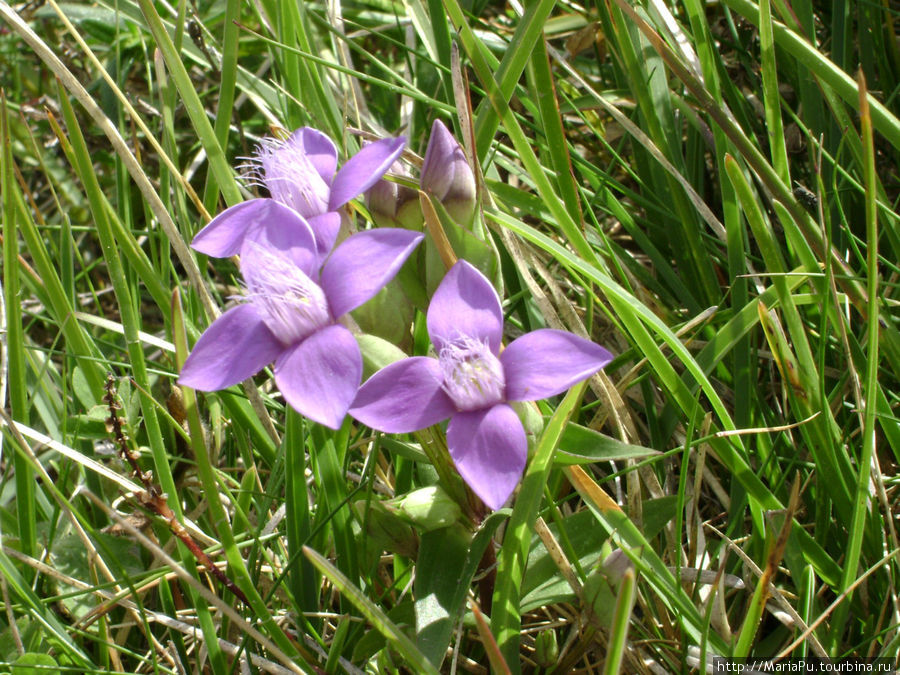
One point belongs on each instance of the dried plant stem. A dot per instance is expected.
(151, 498)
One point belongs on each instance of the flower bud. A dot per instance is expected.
(394, 205)
(546, 648)
(429, 508)
(447, 176)
(385, 529)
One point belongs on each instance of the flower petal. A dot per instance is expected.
(224, 234)
(489, 449)
(320, 376)
(326, 227)
(465, 305)
(363, 170)
(402, 397)
(287, 232)
(320, 150)
(236, 346)
(363, 264)
(547, 362)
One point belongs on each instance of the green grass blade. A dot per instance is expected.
(379, 620)
(505, 617)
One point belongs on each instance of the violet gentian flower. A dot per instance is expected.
(471, 381)
(299, 174)
(447, 176)
(291, 316)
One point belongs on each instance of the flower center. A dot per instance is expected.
(291, 177)
(473, 376)
(292, 305)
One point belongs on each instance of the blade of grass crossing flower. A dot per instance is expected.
(506, 621)
(618, 631)
(379, 620)
(14, 341)
(862, 493)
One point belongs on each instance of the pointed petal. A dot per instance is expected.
(547, 362)
(403, 397)
(489, 449)
(447, 176)
(287, 232)
(321, 151)
(236, 346)
(465, 304)
(320, 376)
(363, 264)
(326, 227)
(363, 170)
(223, 235)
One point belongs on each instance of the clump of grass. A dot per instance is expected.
(710, 191)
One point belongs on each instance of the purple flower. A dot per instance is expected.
(447, 176)
(300, 175)
(291, 316)
(471, 382)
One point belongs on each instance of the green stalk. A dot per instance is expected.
(618, 631)
(14, 345)
(544, 88)
(771, 97)
(301, 574)
(862, 494)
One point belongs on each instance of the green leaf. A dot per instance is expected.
(439, 574)
(32, 663)
(580, 445)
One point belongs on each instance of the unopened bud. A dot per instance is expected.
(394, 205)
(546, 648)
(447, 176)
(428, 508)
(386, 530)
